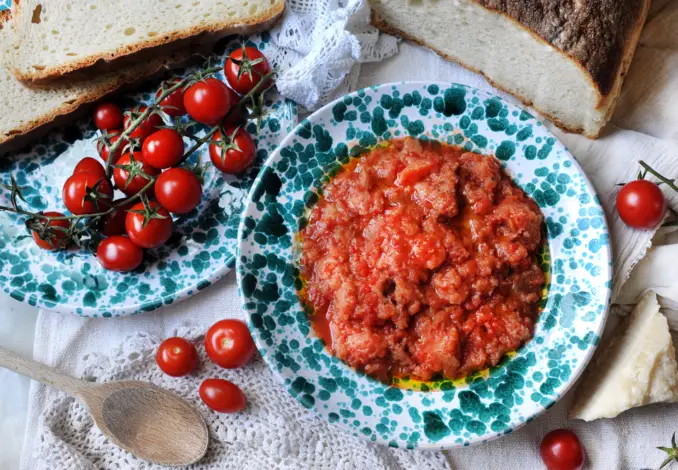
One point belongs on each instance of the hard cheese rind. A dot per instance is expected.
(637, 368)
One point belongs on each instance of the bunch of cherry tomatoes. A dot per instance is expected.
(228, 344)
(146, 166)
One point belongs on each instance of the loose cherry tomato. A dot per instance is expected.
(90, 165)
(561, 450)
(641, 204)
(245, 67)
(58, 240)
(147, 127)
(234, 152)
(103, 148)
(222, 396)
(87, 193)
(107, 117)
(229, 343)
(173, 104)
(114, 223)
(163, 148)
(176, 357)
(128, 174)
(178, 190)
(207, 101)
(157, 230)
(119, 253)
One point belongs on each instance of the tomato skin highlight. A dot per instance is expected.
(59, 240)
(75, 190)
(229, 344)
(156, 232)
(178, 190)
(222, 396)
(233, 161)
(147, 126)
(119, 253)
(163, 148)
(207, 101)
(641, 204)
(173, 105)
(137, 183)
(107, 117)
(246, 82)
(176, 357)
(561, 450)
(90, 165)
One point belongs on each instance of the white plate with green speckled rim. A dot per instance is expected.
(443, 414)
(200, 252)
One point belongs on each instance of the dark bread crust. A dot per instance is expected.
(593, 32)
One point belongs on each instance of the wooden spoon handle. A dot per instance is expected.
(41, 373)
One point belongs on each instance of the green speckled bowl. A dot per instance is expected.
(448, 414)
(201, 251)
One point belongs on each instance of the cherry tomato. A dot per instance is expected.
(90, 165)
(222, 396)
(58, 240)
(104, 148)
(107, 117)
(76, 198)
(561, 450)
(229, 344)
(207, 101)
(233, 153)
(641, 204)
(173, 104)
(119, 253)
(156, 232)
(178, 190)
(114, 223)
(163, 148)
(237, 115)
(147, 126)
(176, 357)
(253, 65)
(121, 176)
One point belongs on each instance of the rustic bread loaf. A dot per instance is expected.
(565, 58)
(55, 37)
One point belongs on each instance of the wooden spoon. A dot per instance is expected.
(146, 420)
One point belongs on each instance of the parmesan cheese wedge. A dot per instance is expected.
(637, 368)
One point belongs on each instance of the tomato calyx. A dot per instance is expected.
(227, 142)
(15, 191)
(49, 233)
(246, 65)
(149, 212)
(671, 452)
(133, 169)
(92, 194)
(199, 170)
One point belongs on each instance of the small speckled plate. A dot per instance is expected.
(444, 414)
(200, 252)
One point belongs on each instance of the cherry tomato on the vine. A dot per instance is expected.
(114, 223)
(236, 115)
(176, 357)
(173, 104)
(87, 193)
(234, 152)
(119, 253)
(128, 174)
(561, 450)
(157, 230)
(90, 165)
(641, 204)
(147, 126)
(207, 101)
(229, 344)
(245, 67)
(107, 117)
(58, 239)
(163, 148)
(222, 396)
(103, 148)
(178, 190)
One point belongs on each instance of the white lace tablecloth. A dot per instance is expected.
(324, 46)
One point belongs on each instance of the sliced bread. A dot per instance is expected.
(566, 59)
(55, 37)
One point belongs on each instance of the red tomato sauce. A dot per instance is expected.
(420, 260)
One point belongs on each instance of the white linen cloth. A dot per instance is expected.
(644, 127)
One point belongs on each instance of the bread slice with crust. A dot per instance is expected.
(565, 58)
(56, 37)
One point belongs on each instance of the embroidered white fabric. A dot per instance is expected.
(273, 432)
(320, 45)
